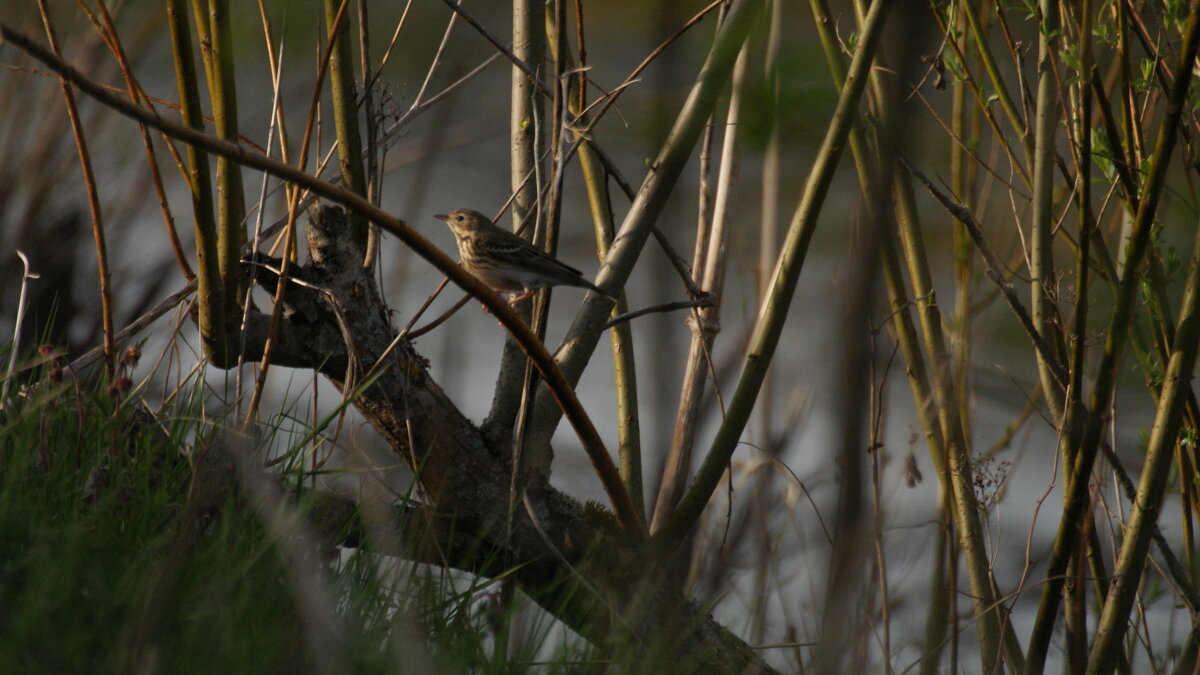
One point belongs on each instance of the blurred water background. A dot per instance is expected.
(456, 155)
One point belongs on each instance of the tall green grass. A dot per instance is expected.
(93, 489)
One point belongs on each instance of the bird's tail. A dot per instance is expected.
(584, 283)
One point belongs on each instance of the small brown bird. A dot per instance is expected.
(505, 261)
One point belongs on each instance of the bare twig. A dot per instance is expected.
(963, 215)
(508, 53)
(556, 381)
(705, 300)
(89, 182)
(26, 277)
(109, 32)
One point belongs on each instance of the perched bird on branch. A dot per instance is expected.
(505, 261)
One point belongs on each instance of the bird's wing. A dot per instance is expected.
(508, 245)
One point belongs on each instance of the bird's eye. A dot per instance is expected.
(458, 218)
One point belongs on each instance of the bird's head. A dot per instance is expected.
(465, 221)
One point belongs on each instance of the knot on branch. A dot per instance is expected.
(332, 303)
(330, 244)
(702, 325)
(304, 292)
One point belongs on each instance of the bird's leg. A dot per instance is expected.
(512, 302)
(521, 297)
(500, 291)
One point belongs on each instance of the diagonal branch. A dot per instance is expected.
(551, 548)
(769, 328)
(557, 383)
(963, 215)
(1117, 333)
(584, 334)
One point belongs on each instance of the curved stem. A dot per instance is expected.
(1085, 455)
(584, 334)
(556, 381)
(783, 285)
(89, 182)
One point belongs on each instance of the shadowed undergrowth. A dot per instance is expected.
(93, 492)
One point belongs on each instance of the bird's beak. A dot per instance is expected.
(442, 216)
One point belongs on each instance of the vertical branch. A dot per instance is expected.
(952, 458)
(555, 23)
(941, 601)
(768, 239)
(231, 207)
(277, 112)
(852, 527)
(1041, 265)
(203, 35)
(289, 235)
(1118, 331)
(997, 637)
(345, 112)
(584, 334)
(839, 649)
(768, 246)
(769, 327)
(208, 272)
(526, 108)
(276, 311)
(374, 155)
(964, 123)
(1131, 562)
(525, 472)
(18, 321)
(89, 182)
(216, 45)
(1073, 412)
(993, 70)
(374, 177)
(136, 94)
(599, 204)
(705, 322)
